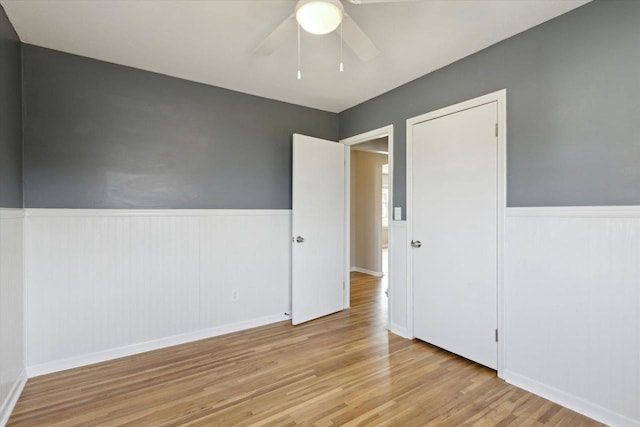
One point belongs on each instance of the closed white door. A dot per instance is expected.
(318, 225)
(454, 218)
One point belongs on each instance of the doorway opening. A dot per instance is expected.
(369, 206)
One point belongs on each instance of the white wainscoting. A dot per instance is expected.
(572, 308)
(398, 273)
(12, 367)
(108, 283)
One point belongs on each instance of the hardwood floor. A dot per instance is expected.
(343, 369)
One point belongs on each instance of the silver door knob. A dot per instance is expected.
(299, 239)
(416, 243)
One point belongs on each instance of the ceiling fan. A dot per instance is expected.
(323, 17)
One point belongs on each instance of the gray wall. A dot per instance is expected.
(10, 115)
(100, 135)
(573, 107)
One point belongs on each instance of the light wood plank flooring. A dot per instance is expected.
(344, 369)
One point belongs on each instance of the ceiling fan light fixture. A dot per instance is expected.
(319, 16)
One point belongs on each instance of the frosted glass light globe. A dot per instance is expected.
(319, 16)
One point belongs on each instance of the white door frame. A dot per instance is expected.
(501, 98)
(348, 142)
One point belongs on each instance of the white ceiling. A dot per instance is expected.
(212, 41)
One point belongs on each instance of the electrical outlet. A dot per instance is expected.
(234, 295)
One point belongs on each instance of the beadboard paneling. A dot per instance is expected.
(105, 283)
(572, 308)
(12, 367)
(398, 271)
(252, 256)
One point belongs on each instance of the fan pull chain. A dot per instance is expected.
(341, 43)
(299, 73)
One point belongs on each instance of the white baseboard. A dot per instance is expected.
(400, 331)
(365, 271)
(102, 356)
(12, 398)
(572, 402)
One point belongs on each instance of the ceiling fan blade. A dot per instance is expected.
(357, 40)
(277, 36)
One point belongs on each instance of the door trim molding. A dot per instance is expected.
(500, 97)
(348, 142)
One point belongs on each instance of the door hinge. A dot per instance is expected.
(343, 285)
(496, 129)
(496, 335)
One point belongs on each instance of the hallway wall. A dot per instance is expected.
(366, 210)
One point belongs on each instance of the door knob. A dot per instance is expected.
(416, 243)
(299, 239)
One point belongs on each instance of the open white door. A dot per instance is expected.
(318, 228)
